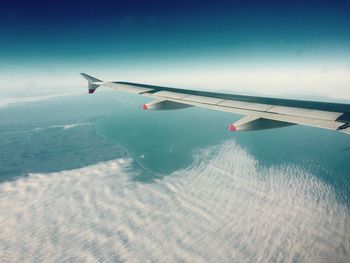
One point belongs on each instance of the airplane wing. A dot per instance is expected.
(260, 112)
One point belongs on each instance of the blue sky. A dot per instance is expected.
(186, 43)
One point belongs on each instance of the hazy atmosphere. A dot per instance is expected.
(93, 177)
(275, 48)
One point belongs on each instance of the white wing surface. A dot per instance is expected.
(260, 112)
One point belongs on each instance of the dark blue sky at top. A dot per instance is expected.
(72, 30)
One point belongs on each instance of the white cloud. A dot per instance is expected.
(223, 208)
(4, 102)
(318, 80)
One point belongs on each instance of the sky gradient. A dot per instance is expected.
(275, 47)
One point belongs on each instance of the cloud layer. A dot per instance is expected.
(224, 207)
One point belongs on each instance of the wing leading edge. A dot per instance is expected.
(260, 112)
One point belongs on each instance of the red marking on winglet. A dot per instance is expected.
(232, 127)
(144, 107)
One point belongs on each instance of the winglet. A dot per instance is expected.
(93, 82)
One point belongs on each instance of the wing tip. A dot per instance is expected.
(89, 78)
(93, 83)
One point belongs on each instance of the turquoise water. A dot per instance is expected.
(52, 135)
(71, 132)
(165, 141)
(95, 178)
